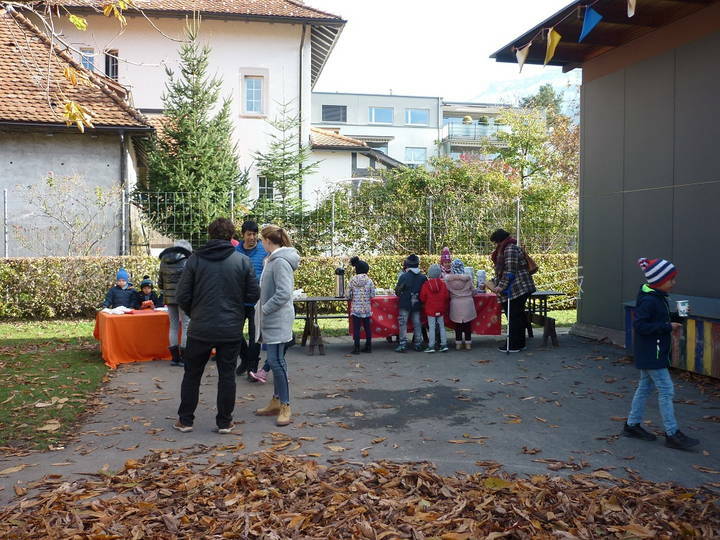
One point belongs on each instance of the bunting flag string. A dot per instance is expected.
(522, 54)
(552, 42)
(591, 20)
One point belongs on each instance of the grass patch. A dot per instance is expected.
(564, 317)
(49, 372)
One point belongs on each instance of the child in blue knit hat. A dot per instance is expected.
(122, 293)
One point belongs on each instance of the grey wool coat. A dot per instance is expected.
(276, 314)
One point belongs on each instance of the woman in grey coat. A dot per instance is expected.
(172, 266)
(275, 315)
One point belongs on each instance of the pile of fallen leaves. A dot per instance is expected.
(194, 494)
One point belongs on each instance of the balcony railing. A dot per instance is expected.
(474, 132)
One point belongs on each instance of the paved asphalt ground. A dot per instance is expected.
(563, 406)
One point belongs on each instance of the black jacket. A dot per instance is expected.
(653, 341)
(140, 297)
(116, 297)
(408, 290)
(213, 290)
(172, 264)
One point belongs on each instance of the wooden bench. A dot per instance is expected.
(311, 330)
(537, 313)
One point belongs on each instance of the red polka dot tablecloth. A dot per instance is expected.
(385, 316)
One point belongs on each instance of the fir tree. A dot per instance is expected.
(284, 167)
(193, 163)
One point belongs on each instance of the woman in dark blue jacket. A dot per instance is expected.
(652, 346)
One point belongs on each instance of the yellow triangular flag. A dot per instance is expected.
(553, 40)
(631, 7)
(522, 54)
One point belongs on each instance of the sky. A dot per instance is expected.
(437, 48)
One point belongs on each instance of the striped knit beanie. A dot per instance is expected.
(657, 271)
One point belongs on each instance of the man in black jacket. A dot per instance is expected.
(215, 287)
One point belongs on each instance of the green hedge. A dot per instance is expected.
(60, 287)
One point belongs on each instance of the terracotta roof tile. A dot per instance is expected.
(25, 97)
(326, 138)
(257, 8)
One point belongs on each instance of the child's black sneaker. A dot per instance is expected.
(680, 441)
(356, 349)
(637, 432)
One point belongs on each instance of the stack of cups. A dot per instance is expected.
(481, 280)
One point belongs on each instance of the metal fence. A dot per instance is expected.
(337, 224)
(340, 223)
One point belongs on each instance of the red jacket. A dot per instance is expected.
(435, 297)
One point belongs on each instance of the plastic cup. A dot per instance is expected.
(682, 307)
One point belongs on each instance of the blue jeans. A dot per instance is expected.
(403, 316)
(660, 378)
(276, 361)
(443, 333)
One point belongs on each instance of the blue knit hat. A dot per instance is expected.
(457, 267)
(146, 282)
(122, 274)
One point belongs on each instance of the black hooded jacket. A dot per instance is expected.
(172, 264)
(213, 290)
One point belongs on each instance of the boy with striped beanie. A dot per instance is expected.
(652, 345)
(657, 271)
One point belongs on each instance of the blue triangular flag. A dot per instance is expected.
(592, 18)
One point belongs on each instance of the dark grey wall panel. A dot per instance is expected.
(600, 257)
(659, 122)
(649, 123)
(647, 232)
(697, 111)
(603, 116)
(697, 247)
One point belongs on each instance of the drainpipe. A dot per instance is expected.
(123, 186)
(300, 101)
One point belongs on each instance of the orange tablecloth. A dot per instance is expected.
(385, 313)
(133, 337)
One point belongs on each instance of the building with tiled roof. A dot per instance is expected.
(37, 144)
(267, 53)
(342, 159)
(35, 88)
(325, 28)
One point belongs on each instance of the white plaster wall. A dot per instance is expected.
(333, 166)
(145, 52)
(28, 158)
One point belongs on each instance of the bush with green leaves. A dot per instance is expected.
(65, 287)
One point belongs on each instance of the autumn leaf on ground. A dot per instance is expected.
(531, 451)
(336, 448)
(378, 440)
(13, 470)
(50, 425)
(705, 469)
